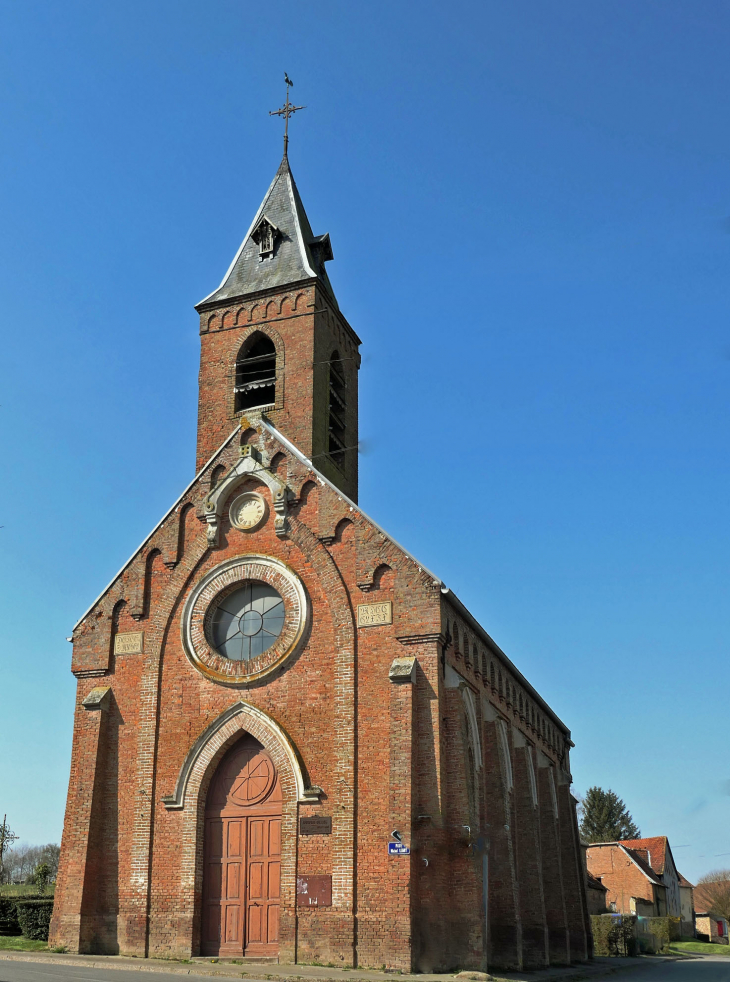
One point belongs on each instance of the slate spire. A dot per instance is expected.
(279, 248)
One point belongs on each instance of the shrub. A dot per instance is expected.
(8, 916)
(665, 929)
(34, 917)
(614, 935)
(9, 923)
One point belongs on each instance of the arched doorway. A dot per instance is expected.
(242, 855)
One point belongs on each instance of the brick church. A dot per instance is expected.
(292, 741)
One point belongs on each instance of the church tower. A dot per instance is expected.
(274, 342)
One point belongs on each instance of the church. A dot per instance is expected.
(292, 742)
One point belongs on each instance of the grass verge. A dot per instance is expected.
(699, 948)
(19, 943)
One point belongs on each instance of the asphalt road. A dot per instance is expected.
(11, 971)
(706, 969)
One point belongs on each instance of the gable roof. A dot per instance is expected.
(645, 868)
(452, 598)
(298, 254)
(656, 847)
(683, 882)
(636, 858)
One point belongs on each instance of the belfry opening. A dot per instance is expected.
(256, 373)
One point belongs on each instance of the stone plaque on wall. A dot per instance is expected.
(129, 644)
(315, 825)
(370, 615)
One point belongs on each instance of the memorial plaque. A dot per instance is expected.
(370, 615)
(315, 825)
(314, 891)
(129, 644)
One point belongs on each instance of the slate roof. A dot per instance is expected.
(656, 847)
(298, 253)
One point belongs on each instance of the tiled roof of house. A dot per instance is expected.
(656, 847)
(642, 864)
(683, 882)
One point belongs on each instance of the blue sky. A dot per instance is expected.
(529, 207)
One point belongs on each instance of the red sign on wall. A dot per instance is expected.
(314, 891)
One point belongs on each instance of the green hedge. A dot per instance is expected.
(666, 929)
(34, 917)
(9, 923)
(614, 935)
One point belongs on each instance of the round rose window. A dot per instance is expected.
(247, 621)
(244, 618)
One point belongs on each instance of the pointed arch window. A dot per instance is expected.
(256, 373)
(337, 410)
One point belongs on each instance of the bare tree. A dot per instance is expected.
(712, 893)
(20, 862)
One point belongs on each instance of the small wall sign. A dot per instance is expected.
(370, 615)
(315, 825)
(129, 644)
(314, 891)
(398, 849)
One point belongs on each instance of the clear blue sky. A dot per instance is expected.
(529, 206)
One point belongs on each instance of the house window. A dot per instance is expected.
(256, 373)
(337, 411)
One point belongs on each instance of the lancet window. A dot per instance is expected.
(337, 410)
(256, 373)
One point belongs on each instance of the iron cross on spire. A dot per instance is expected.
(286, 111)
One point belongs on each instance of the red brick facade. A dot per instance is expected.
(639, 875)
(420, 726)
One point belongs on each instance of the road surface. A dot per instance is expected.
(705, 969)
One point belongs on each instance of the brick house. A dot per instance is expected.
(640, 875)
(711, 927)
(292, 740)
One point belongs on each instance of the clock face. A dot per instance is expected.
(248, 511)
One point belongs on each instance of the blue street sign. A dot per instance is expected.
(398, 849)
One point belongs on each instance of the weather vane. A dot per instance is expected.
(286, 111)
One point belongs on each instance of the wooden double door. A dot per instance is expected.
(242, 855)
